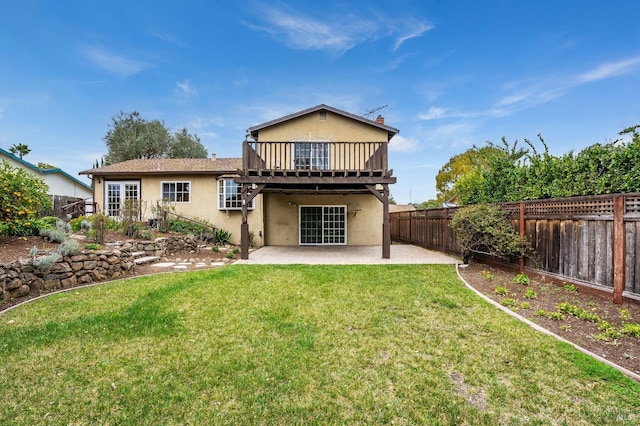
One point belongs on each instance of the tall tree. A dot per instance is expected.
(19, 149)
(186, 145)
(458, 166)
(131, 136)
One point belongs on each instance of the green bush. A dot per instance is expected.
(68, 247)
(23, 197)
(485, 229)
(44, 263)
(222, 236)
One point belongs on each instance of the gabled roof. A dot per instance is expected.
(166, 166)
(44, 171)
(254, 130)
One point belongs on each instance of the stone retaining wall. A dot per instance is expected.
(160, 246)
(21, 278)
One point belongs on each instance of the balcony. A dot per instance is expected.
(315, 162)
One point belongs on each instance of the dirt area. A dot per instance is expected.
(554, 299)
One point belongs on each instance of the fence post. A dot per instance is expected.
(522, 233)
(619, 248)
(445, 243)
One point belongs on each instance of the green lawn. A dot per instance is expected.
(294, 345)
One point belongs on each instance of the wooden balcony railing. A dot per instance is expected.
(315, 155)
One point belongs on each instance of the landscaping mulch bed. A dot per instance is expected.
(623, 350)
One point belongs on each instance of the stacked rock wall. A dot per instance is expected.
(21, 278)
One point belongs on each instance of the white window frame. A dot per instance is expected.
(315, 162)
(325, 226)
(234, 199)
(175, 191)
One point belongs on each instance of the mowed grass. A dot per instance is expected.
(286, 345)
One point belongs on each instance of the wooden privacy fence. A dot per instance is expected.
(592, 240)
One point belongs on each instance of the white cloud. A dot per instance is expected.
(437, 113)
(114, 63)
(450, 135)
(609, 70)
(416, 30)
(433, 113)
(335, 33)
(401, 144)
(532, 92)
(185, 88)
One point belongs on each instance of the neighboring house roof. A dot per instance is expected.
(167, 166)
(395, 208)
(44, 172)
(392, 131)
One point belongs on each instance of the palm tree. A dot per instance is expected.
(20, 150)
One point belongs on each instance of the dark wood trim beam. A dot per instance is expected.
(315, 180)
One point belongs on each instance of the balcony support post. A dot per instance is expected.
(248, 193)
(383, 196)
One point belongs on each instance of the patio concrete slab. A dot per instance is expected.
(346, 255)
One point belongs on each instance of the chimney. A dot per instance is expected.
(380, 119)
(213, 155)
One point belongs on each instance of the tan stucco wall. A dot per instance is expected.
(281, 222)
(335, 128)
(203, 205)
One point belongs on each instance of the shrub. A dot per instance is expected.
(92, 246)
(230, 255)
(508, 302)
(101, 223)
(555, 316)
(215, 249)
(44, 263)
(68, 247)
(500, 290)
(485, 229)
(630, 329)
(23, 197)
(49, 221)
(223, 236)
(530, 293)
(521, 279)
(201, 230)
(56, 235)
(76, 223)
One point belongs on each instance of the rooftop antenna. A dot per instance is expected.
(369, 113)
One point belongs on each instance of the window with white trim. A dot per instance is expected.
(230, 195)
(176, 192)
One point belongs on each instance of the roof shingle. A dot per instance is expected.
(169, 166)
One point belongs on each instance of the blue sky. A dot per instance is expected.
(453, 73)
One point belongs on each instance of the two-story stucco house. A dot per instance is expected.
(315, 177)
(324, 178)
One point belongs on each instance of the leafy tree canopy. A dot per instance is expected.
(460, 165)
(23, 197)
(429, 204)
(131, 137)
(509, 173)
